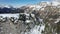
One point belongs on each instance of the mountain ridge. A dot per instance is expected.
(38, 6)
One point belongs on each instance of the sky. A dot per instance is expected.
(20, 2)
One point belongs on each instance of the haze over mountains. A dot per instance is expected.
(38, 6)
(40, 18)
(9, 10)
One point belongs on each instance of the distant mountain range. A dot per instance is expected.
(10, 9)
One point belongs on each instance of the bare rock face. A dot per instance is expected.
(32, 21)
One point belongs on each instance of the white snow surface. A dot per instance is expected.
(10, 15)
(36, 30)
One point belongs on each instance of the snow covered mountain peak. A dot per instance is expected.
(7, 6)
(53, 3)
(44, 4)
(56, 3)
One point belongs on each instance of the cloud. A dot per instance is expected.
(56, 0)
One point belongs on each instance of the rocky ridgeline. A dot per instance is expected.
(14, 25)
(46, 20)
